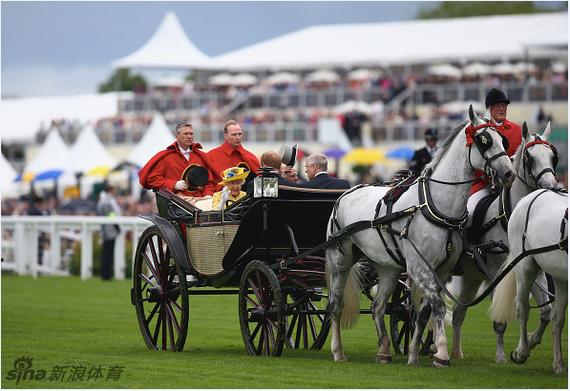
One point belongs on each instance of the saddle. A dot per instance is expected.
(476, 231)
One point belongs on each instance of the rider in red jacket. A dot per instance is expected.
(496, 102)
(164, 170)
(231, 152)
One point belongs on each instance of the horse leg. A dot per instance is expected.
(338, 265)
(467, 293)
(388, 278)
(420, 325)
(500, 329)
(525, 276)
(558, 315)
(536, 337)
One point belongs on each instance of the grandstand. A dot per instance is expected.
(304, 86)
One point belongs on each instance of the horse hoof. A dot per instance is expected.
(383, 359)
(560, 371)
(516, 359)
(340, 359)
(440, 363)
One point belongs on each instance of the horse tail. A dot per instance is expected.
(351, 296)
(502, 308)
(351, 302)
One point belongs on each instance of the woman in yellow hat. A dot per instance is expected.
(232, 180)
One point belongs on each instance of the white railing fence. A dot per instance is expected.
(21, 240)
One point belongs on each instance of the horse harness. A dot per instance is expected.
(505, 206)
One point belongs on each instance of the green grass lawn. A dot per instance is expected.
(80, 325)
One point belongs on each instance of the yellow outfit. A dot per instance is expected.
(218, 197)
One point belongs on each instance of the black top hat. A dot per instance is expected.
(289, 154)
(195, 176)
(430, 133)
(495, 96)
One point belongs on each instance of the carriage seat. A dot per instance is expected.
(173, 207)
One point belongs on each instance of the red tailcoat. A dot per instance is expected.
(165, 168)
(513, 133)
(225, 156)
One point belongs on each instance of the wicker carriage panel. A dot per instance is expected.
(208, 245)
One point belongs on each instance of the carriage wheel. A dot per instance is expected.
(159, 294)
(308, 321)
(261, 315)
(402, 322)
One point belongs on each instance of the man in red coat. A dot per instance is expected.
(231, 152)
(164, 170)
(496, 102)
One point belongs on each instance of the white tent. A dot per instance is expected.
(88, 155)
(157, 137)
(523, 67)
(22, 118)
(402, 42)
(169, 47)
(8, 175)
(53, 155)
(354, 105)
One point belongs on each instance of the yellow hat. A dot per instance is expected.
(233, 174)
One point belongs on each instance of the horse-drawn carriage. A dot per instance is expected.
(256, 248)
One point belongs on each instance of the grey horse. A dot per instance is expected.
(427, 247)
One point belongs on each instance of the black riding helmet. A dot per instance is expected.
(495, 96)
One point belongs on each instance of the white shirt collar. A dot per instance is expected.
(185, 152)
(320, 173)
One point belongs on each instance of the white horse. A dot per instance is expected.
(432, 242)
(539, 220)
(535, 165)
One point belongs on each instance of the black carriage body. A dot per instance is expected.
(266, 229)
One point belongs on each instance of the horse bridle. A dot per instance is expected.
(483, 141)
(527, 161)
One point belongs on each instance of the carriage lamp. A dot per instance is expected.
(265, 184)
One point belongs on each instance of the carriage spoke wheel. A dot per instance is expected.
(402, 323)
(261, 315)
(308, 322)
(159, 294)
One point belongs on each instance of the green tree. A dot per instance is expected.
(458, 9)
(122, 80)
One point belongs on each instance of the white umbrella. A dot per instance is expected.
(457, 106)
(523, 67)
(354, 105)
(446, 70)
(222, 79)
(362, 74)
(283, 78)
(322, 76)
(476, 68)
(244, 79)
(504, 68)
(559, 67)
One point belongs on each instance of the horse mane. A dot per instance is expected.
(445, 145)
(518, 155)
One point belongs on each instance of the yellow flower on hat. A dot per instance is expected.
(233, 174)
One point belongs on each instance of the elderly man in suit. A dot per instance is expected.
(316, 166)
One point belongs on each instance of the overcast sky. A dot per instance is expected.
(62, 48)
